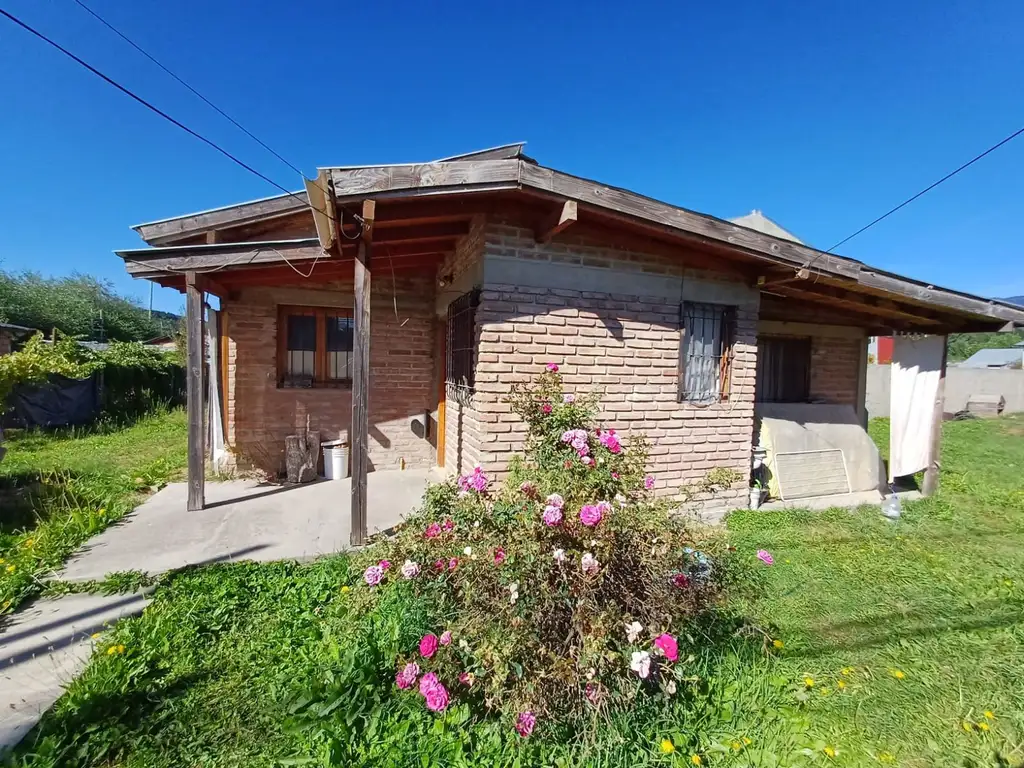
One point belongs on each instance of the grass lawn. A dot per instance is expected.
(901, 644)
(59, 488)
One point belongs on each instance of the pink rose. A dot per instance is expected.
(569, 398)
(649, 482)
(467, 678)
(765, 556)
(439, 565)
(524, 725)
(528, 489)
(446, 637)
(590, 515)
(406, 678)
(427, 682)
(437, 698)
(552, 367)
(373, 575)
(554, 500)
(681, 581)
(499, 556)
(552, 515)
(433, 531)
(610, 441)
(384, 564)
(546, 409)
(668, 646)
(587, 460)
(447, 525)
(615, 475)
(453, 564)
(428, 645)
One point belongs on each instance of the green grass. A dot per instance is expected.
(59, 488)
(922, 621)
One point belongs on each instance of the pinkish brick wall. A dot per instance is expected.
(835, 369)
(626, 344)
(461, 271)
(260, 415)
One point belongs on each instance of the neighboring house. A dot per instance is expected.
(485, 267)
(995, 358)
(11, 335)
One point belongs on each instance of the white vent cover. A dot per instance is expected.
(803, 474)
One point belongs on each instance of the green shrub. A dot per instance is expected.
(570, 590)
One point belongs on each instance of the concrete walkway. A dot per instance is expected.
(244, 520)
(44, 648)
(48, 643)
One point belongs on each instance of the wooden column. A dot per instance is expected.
(359, 433)
(931, 474)
(194, 390)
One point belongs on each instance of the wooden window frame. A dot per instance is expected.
(320, 357)
(725, 316)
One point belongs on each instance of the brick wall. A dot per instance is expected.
(835, 369)
(5, 342)
(624, 344)
(461, 271)
(260, 415)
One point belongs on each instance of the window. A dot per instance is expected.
(461, 341)
(314, 347)
(705, 352)
(783, 369)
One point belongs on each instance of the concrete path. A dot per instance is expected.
(244, 521)
(44, 648)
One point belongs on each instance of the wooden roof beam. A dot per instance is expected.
(556, 222)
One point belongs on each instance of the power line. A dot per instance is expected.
(205, 100)
(924, 191)
(131, 94)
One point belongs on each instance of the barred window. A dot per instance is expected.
(705, 352)
(461, 341)
(314, 347)
(783, 369)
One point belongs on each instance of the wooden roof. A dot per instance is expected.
(422, 210)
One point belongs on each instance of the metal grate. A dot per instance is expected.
(803, 474)
(340, 331)
(300, 360)
(705, 352)
(461, 342)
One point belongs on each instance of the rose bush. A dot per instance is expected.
(567, 588)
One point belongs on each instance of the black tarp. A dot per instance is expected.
(58, 403)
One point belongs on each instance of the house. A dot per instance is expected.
(395, 305)
(1012, 357)
(11, 335)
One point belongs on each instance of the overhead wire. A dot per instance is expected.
(153, 108)
(911, 199)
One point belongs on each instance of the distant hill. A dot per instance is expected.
(1015, 300)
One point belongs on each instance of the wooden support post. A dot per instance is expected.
(194, 390)
(361, 377)
(931, 473)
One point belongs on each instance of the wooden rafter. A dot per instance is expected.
(557, 221)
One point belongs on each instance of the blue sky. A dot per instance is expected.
(823, 115)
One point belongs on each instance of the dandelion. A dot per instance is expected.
(808, 682)
(736, 746)
(11, 568)
(982, 726)
(29, 542)
(524, 725)
(640, 662)
(830, 751)
(95, 635)
(696, 759)
(633, 631)
(589, 563)
(846, 671)
(428, 645)
(967, 725)
(899, 674)
(410, 569)
(747, 741)
(778, 645)
(345, 589)
(989, 714)
(115, 650)
(765, 556)
(373, 575)
(886, 757)
(840, 684)
(667, 747)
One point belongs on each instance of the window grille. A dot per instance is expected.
(314, 347)
(705, 352)
(461, 342)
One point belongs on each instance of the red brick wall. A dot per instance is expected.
(835, 369)
(260, 415)
(624, 344)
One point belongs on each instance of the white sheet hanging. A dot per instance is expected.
(218, 451)
(916, 369)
